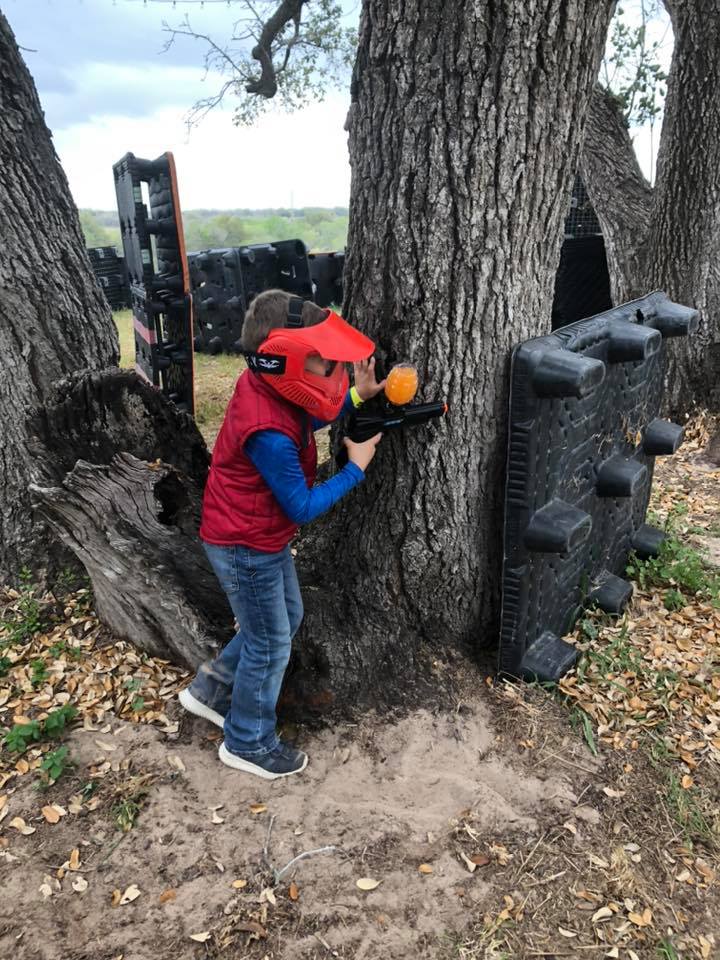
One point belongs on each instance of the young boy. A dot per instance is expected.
(259, 489)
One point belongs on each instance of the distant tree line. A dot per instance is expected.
(320, 228)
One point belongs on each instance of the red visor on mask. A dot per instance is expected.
(280, 361)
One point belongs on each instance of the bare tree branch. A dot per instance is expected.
(266, 84)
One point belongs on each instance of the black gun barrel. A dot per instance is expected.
(362, 426)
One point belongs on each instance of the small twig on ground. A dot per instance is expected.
(266, 848)
(301, 856)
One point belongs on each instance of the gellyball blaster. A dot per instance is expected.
(392, 415)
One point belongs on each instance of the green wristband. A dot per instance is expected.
(357, 400)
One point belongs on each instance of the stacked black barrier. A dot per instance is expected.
(225, 281)
(583, 435)
(326, 272)
(582, 282)
(158, 272)
(110, 273)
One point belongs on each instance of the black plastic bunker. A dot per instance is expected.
(584, 432)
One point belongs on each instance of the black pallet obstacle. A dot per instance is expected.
(110, 273)
(583, 435)
(226, 280)
(326, 272)
(158, 273)
(582, 281)
(219, 300)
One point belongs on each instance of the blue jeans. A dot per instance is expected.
(243, 682)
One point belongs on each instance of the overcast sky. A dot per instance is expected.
(107, 88)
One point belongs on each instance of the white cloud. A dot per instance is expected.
(298, 158)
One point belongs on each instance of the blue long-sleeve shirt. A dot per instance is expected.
(275, 456)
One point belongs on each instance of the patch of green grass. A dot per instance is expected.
(690, 808)
(25, 621)
(682, 568)
(124, 323)
(578, 718)
(666, 951)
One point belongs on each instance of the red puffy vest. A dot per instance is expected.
(238, 506)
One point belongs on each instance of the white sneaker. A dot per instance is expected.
(193, 705)
(283, 761)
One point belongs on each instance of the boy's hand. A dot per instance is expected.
(365, 382)
(362, 453)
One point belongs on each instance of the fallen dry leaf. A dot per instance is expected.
(216, 819)
(367, 883)
(109, 747)
(115, 898)
(17, 823)
(74, 861)
(615, 794)
(470, 864)
(705, 946)
(251, 927)
(566, 933)
(167, 895)
(256, 808)
(131, 893)
(480, 859)
(293, 891)
(53, 813)
(175, 762)
(239, 884)
(79, 884)
(201, 937)
(643, 919)
(425, 868)
(687, 782)
(604, 913)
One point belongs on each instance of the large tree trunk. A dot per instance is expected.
(464, 133)
(669, 238)
(620, 194)
(53, 317)
(684, 242)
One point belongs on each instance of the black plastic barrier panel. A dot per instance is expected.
(226, 280)
(584, 432)
(110, 273)
(158, 273)
(326, 270)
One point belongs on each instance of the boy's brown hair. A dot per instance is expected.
(269, 310)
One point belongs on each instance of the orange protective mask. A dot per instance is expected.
(280, 361)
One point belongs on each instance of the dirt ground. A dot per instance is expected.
(520, 824)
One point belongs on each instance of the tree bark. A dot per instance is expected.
(134, 527)
(620, 194)
(669, 237)
(684, 241)
(131, 518)
(53, 317)
(464, 133)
